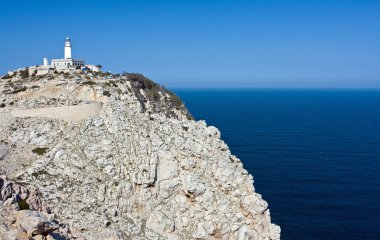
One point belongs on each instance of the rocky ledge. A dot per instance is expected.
(137, 167)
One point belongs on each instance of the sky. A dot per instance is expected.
(204, 43)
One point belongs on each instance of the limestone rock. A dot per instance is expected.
(168, 166)
(15, 234)
(139, 167)
(3, 150)
(35, 222)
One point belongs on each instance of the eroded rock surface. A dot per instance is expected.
(142, 169)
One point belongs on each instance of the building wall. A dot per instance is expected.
(93, 68)
(67, 62)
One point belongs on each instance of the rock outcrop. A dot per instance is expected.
(140, 169)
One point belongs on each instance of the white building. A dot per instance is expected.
(65, 65)
(68, 61)
(94, 68)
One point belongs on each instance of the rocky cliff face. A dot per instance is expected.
(139, 169)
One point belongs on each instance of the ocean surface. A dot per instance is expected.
(314, 154)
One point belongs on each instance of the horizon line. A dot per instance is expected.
(276, 87)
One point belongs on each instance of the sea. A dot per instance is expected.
(314, 154)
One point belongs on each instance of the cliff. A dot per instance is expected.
(94, 156)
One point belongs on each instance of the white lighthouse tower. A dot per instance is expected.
(67, 61)
(67, 49)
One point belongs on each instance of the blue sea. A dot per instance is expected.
(314, 154)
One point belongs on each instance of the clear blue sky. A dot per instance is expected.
(257, 43)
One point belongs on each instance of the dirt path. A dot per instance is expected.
(67, 113)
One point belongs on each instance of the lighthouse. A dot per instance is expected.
(67, 49)
(68, 61)
(65, 64)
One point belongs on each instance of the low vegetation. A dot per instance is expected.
(24, 73)
(40, 151)
(89, 83)
(21, 89)
(106, 93)
(40, 173)
(6, 76)
(152, 94)
(23, 205)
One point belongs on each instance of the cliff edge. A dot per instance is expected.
(97, 156)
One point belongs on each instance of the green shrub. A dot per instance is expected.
(23, 205)
(106, 93)
(40, 151)
(24, 73)
(39, 173)
(22, 89)
(89, 82)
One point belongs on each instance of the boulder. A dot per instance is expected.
(35, 222)
(15, 234)
(167, 167)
